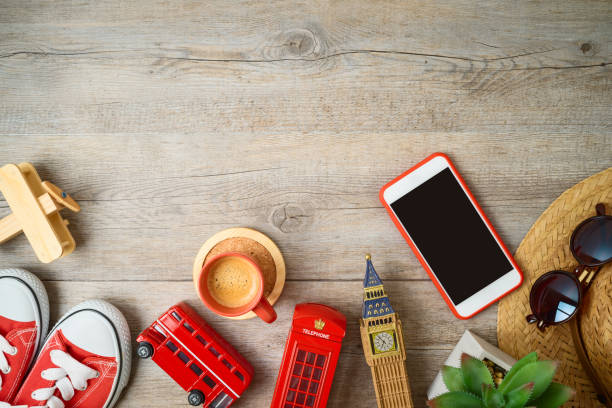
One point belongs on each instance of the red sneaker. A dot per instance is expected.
(24, 320)
(85, 361)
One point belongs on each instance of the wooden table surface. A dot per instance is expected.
(171, 120)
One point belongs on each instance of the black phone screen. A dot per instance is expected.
(451, 236)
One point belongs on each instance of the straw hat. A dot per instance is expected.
(545, 248)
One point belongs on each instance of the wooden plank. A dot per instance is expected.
(430, 331)
(495, 68)
(147, 208)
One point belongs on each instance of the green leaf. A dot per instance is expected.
(554, 396)
(453, 378)
(529, 358)
(456, 399)
(491, 397)
(475, 373)
(540, 373)
(518, 397)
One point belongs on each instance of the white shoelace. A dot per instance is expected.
(69, 375)
(5, 348)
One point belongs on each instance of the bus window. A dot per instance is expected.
(183, 357)
(201, 339)
(176, 316)
(196, 369)
(227, 364)
(209, 381)
(222, 401)
(159, 330)
(239, 375)
(188, 327)
(214, 351)
(171, 346)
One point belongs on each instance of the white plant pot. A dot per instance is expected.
(476, 347)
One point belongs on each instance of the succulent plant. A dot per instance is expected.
(527, 384)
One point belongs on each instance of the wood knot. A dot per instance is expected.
(289, 218)
(589, 48)
(586, 47)
(293, 44)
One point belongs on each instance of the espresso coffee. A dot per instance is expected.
(233, 282)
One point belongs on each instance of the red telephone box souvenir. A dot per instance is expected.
(311, 354)
(196, 357)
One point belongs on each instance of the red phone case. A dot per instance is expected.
(414, 248)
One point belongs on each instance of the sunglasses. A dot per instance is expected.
(556, 296)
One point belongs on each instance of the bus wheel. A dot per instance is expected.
(145, 350)
(196, 397)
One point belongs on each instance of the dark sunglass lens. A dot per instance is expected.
(554, 297)
(592, 242)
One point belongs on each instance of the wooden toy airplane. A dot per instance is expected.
(35, 205)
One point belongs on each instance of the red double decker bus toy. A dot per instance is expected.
(196, 357)
(311, 355)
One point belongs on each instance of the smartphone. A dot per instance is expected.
(451, 236)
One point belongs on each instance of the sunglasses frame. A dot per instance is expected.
(583, 277)
(601, 215)
(541, 323)
(583, 274)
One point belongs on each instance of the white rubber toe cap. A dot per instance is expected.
(90, 331)
(23, 298)
(16, 301)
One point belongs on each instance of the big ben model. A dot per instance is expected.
(383, 344)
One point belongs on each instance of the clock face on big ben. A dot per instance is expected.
(383, 341)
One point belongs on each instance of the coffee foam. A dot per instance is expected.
(233, 282)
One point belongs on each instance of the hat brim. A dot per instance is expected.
(546, 248)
